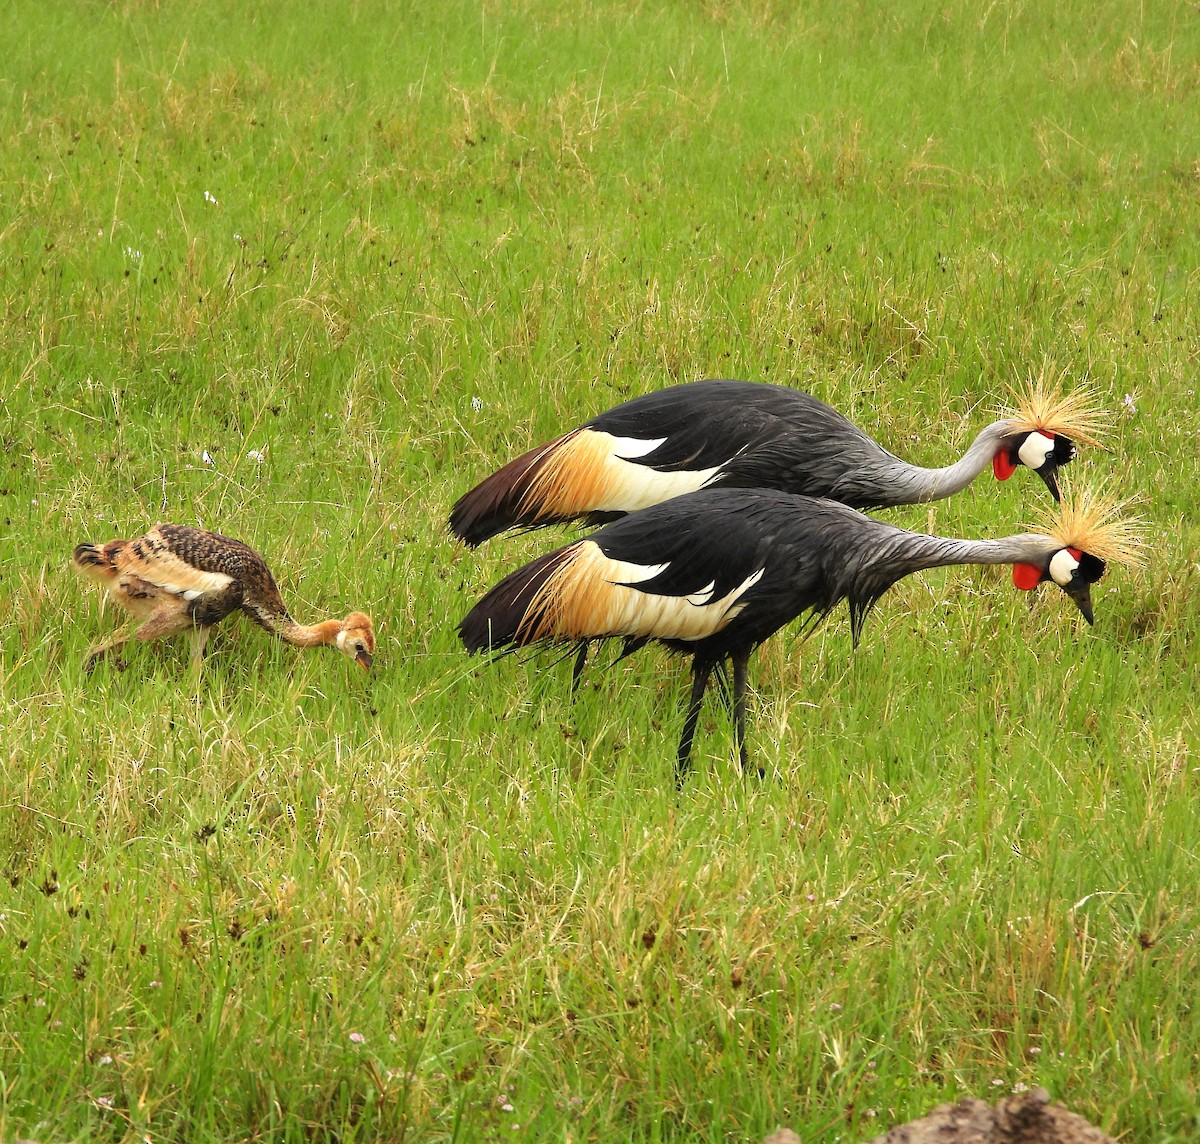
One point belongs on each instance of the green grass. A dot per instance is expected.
(447, 903)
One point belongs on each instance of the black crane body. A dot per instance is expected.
(722, 433)
(714, 574)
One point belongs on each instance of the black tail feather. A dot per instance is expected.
(495, 504)
(498, 619)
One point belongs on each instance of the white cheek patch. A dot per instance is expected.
(1062, 567)
(1035, 450)
(341, 640)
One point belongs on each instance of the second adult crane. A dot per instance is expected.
(745, 434)
(716, 573)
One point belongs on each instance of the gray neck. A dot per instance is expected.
(869, 570)
(940, 552)
(911, 484)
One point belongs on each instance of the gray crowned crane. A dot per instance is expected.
(745, 434)
(180, 579)
(713, 574)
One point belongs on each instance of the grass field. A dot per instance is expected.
(304, 274)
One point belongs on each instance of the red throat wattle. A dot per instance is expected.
(1003, 466)
(1026, 576)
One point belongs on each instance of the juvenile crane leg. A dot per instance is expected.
(165, 621)
(700, 674)
(199, 639)
(102, 650)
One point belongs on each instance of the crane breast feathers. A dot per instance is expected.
(590, 594)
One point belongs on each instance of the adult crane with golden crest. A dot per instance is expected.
(742, 434)
(714, 574)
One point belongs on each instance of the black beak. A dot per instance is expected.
(364, 658)
(1081, 592)
(1049, 473)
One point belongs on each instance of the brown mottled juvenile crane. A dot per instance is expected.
(713, 574)
(751, 435)
(179, 579)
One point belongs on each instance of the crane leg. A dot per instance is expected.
(199, 637)
(580, 663)
(118, 641)
(740, 663)
(700, 674)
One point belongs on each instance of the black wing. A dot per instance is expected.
(706, 423)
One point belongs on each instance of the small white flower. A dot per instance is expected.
(997, 1082)
(357, 1038)
(256, 455)
(1130, 404)
(209, 199)
(204, 456)
(239, 239)
(104, 1102)
(476, 404)
(105, 1060)
(155, 984)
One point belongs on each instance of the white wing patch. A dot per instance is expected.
(623, 572)
(629, 447)
(631, 486)
(200, 584)
(636, 613)
(592, 471)
(589, 596)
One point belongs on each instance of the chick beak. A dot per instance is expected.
(1081, 592)
(364, 659)
(1049, 473)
